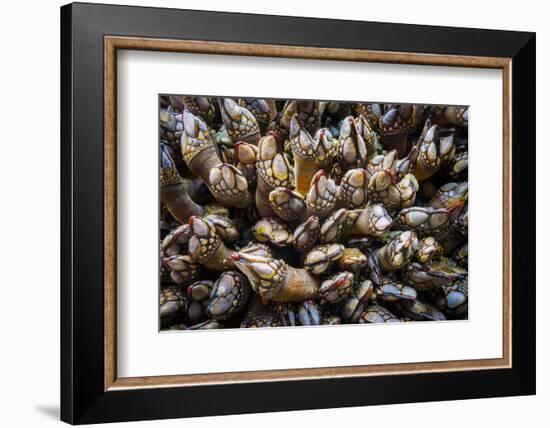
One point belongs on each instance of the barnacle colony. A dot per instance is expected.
(290, 212)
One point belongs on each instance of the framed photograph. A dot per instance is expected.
(266, 213)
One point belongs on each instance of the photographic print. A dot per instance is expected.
(331, 193)
(284, 212)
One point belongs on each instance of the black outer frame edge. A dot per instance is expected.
(83, 398)
(286, 30)
(523, 219)
(66, 306)
(167, 403)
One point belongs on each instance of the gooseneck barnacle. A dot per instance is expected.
(173, 192)
(299, 212)
(273, 279)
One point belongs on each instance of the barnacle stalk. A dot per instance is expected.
(197, 146)
(206, 246)
(273, 170)
(273, 279)
(173, 192)
(302, 145)
(398, 252)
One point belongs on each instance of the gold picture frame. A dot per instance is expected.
(114, 43)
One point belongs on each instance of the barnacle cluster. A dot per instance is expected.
(291, 212)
